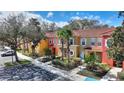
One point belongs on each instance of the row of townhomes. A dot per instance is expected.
(83, 49)
(84, 42)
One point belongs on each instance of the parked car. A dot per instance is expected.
(7, 53)
(7, 48)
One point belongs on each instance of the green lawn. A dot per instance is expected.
(21, 62)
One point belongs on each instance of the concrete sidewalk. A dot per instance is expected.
(66, 74)
(20, 55)
(112, 74)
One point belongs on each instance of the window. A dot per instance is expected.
(93, 41)
(99, 41)
(59, 41)
(50, 41)
(108, 42)
(54, 41)
(71, 41)
(71, 53)
(83, 41)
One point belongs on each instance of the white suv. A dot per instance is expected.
(7, 53)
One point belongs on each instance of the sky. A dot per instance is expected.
(62, 18)
(105, 17)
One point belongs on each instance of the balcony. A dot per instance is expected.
(65, 45)
(92, 47)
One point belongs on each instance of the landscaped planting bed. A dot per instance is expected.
(45, 59)
(96, 71)
(65, 65)
(91, 74)
(94, 68)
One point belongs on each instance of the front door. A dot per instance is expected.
(117, 64)
(82, 55)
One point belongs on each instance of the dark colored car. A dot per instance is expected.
(7, 53)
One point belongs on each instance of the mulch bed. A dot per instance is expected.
(91, 74)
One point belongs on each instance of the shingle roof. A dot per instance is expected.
(87, 33)
(92, 32)
(109, 32)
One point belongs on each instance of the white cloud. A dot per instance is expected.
(86, 17)
(50, 14)
(61, 23)
(75, 18)
(29, 15)
(97, 17)
(92, 17)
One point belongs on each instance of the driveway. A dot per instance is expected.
(5, 59)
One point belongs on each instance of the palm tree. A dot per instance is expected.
(60, 35)
(65, 34)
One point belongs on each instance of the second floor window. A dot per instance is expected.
(99, 41)
(83, 41)
(93, 41)
(71, 41)
(59, 41)
(50, 41)
(54, 41)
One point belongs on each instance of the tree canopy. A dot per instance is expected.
(116, 46)
(10, 30)
(82, 24)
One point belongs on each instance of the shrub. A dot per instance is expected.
(121, 75)
(93, 63)
(104, 67)
(48, 52)
(58, 62)
(88, 59)
(58, 57)
(76, 59)
(91, 60)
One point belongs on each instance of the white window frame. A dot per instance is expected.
(99, 39)
(72, 41)
(83, 39)
(91, 39)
